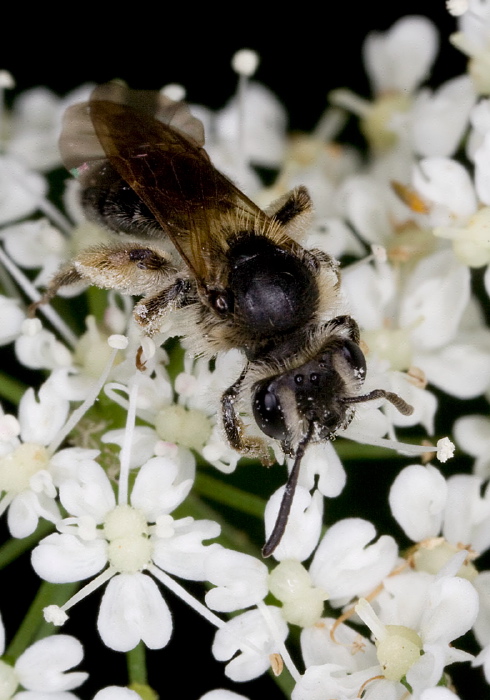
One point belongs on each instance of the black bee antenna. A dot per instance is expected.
(396, 400)
(287, 499)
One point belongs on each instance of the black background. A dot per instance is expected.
(305, 53)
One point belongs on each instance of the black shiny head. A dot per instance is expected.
(314, 393)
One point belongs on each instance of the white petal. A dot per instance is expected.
(42, 351)
(116, 692)
(183, 553)
(64, 558)
(403, 598)
(133, 610)
(26, 509)
(143, 444)
(482, 171)
(452, 610)
(21, 190)
(482, 624)
(249, 627)
(438, 694)
(89, 493)
(240, 580)
(417, 500)
(435, 299)
(159, 487)
(433, 133)
(222, 694)
(364, 202)
(369, 292)
(447, 185)
(12, 318)
(468, 512)
(42, 666)
(41, 418)
(461, 369)
(472, 434)
(318, 647)
(323, 461)
(303, 527)
(345, 565)
(400, 59)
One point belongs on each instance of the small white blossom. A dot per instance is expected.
(43, 669)
(126, 542)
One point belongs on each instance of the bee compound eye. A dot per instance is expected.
(268, 412)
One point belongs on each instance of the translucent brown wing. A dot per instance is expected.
(155, 145)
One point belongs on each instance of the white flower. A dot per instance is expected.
(400, 59)
(473, 39)
(250, 634)
(42, 670)
(12, 318)
(115, 692)
(27, 469)
(430, 323)
(346, 565)
(440, 609)
(472, 434)
(425, 505)
(21, 190)
(132, 541)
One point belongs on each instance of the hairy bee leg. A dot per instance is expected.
(319, 259)
(64, 278)
(127, 269)
(351, 327)
(150, 310)
(296, 203)
(234, 428)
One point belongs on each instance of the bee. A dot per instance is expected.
(191, 242)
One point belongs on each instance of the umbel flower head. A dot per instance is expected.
(115, 471)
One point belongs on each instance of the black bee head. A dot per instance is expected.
(315, 393)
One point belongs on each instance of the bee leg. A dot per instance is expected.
(296, 203)
(318, 258)
(127, 269)
(150, 310)
(348, 324)
(66, 277)
(234, 427)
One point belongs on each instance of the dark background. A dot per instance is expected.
(304, 55)
(304, 52)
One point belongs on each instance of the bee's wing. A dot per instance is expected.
(165, 164)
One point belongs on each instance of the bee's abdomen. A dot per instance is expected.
(109, 201)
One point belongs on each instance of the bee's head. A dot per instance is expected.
(315, 393)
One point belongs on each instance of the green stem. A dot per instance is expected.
(14, 548)
(34, 627)
(229, 495)
(11, 389)
(136, 660)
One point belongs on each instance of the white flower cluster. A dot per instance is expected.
(105, 449)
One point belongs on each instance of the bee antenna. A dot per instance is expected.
(287, 498)
(394, 399)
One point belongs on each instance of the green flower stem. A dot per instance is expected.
(230, 536)
(229, 495)
(136, 661)
(14, 548)
(33, 626)
(11, 389)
